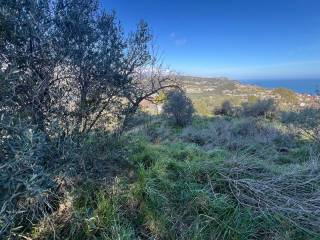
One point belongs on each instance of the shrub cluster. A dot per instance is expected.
(260, 108)
(226, 109)
(307, 121)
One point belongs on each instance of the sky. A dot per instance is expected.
(239, 39)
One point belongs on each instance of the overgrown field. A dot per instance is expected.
(218, 178)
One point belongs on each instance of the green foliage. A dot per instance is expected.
(168, 185)
(226, 109)
(236, 135)
(178, 108)
(97, 216)
(160, 98)
(307, 117)
(307, 120)
(262, 108)
(28, 194)
(258, 108)
(30, 165)
(70, 62)
(174, 189)
(201, 108)
(68, 70)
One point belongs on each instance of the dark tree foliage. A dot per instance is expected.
(27, 59)
(67, 61)
(178, 107)
(226, 109)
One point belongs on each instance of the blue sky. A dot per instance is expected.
(240, 39)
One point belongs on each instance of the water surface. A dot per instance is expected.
(298, 85)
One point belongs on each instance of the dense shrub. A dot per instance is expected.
(215, 134)
(28, 193)
(262, 108)
(257, 108)
(178, 108)
(34, 166)
(307, 121)
(306, 117)
(226, 109)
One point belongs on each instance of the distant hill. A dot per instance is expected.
(208, 93)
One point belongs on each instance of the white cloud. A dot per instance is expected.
(178, 40)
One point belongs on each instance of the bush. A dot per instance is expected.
(202, 108)
(307, 120)
(28, 193)
(307, 117)
(216, 134)
(262, 108)
(178, 108)
(258, 108)
(36, 171)
(226, 109)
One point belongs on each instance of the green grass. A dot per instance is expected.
(175, 189)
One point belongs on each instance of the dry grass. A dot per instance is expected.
(292, 196)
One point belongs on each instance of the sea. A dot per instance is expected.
(307, 86)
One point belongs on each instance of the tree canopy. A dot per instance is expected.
(70, 62)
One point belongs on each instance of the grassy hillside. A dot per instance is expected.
(218, 178)
(249, 171)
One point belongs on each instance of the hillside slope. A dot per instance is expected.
(208, 93)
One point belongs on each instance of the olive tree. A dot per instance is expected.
(27, 59)
(68, 61)
(178, 107)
